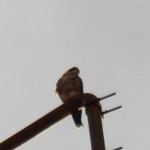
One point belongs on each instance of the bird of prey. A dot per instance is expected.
(70, 86)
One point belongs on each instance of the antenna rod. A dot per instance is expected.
(108, 111)
(102, 98)
(118, 148)
(89, 101)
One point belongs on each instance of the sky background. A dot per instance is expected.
(109, 40)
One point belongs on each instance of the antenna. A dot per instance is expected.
(94, 114)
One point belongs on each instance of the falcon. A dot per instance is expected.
(70, 86)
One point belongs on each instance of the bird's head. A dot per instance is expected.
(74, 70)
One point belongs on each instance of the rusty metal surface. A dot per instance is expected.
(95, 125)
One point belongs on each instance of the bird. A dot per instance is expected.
(70, 86)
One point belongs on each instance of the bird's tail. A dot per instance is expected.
(76, 115)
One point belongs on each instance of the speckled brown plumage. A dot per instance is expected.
(70, 86)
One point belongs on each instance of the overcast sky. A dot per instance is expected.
(109, 40)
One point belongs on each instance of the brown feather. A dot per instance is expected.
(70, 86)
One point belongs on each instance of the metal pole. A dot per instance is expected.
(40, 125)
(94, 111)
(94, 117)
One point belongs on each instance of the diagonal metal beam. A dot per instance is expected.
(40, 125)
(50, 119)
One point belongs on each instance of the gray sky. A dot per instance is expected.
(109, 40)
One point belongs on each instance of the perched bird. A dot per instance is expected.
(70, 86)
